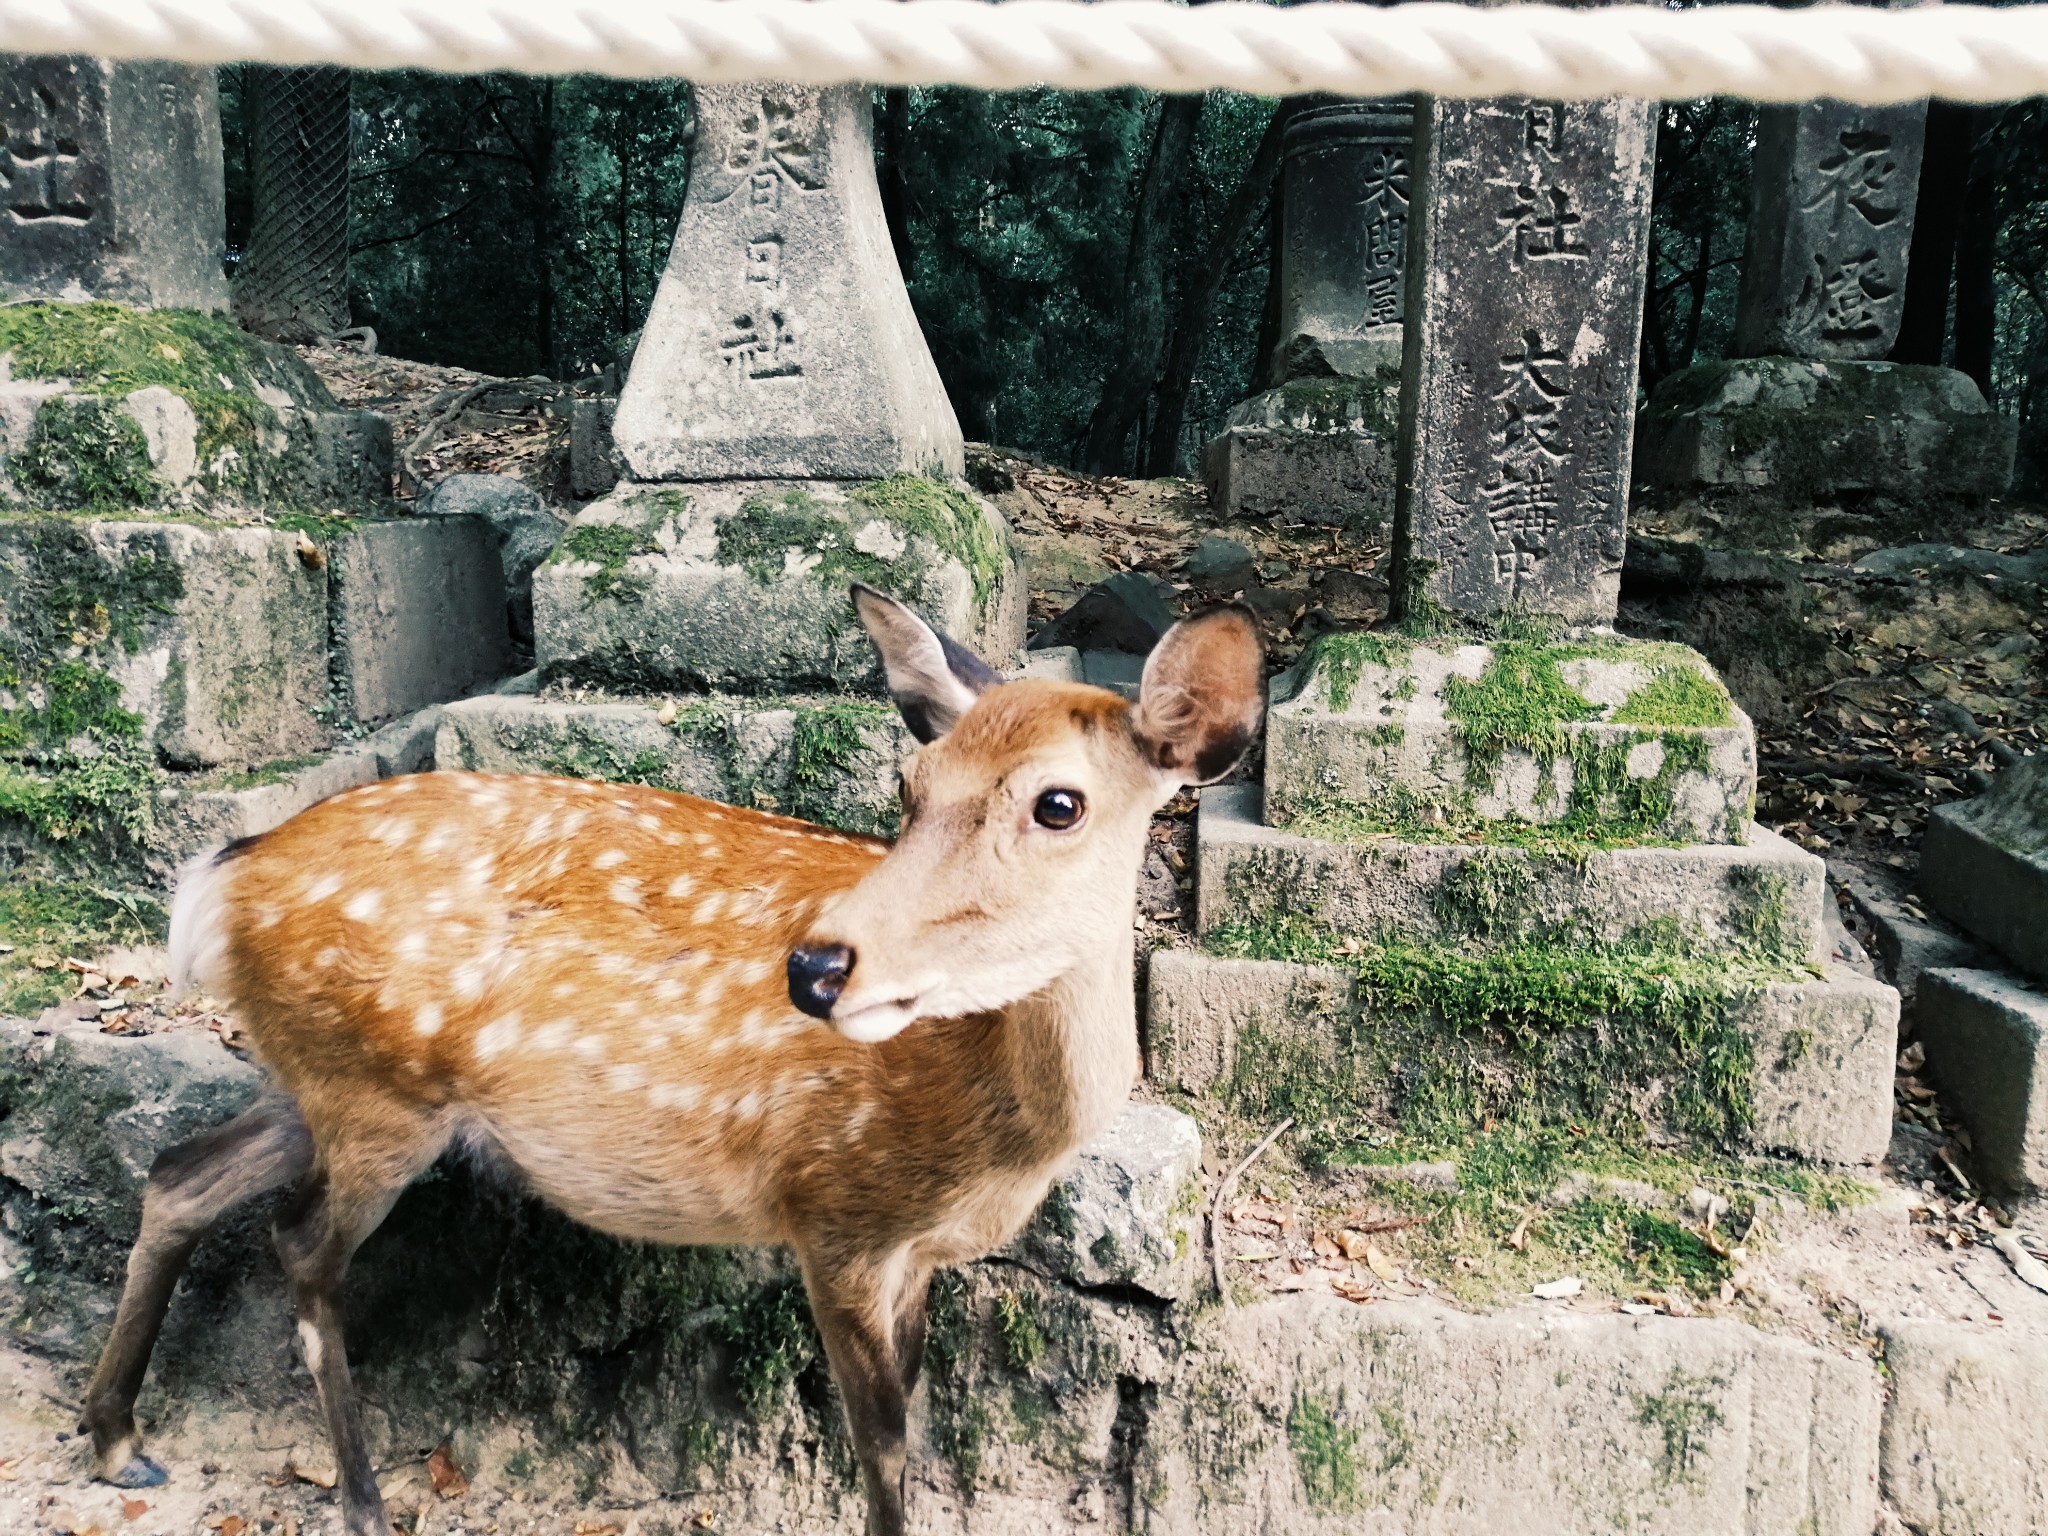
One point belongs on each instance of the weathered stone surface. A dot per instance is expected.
(781, 342)
(1986, 1037)
(822, 759)
(1832, 195)
(1126, 1215)
(1344, 239)
(1984, 864)
(1823, 1050)
(418, 613)
(1965, 1447)
(1315, 450)
(1314, 1415)
(731, 584)
(1388, 730)
(1764, 892)
(1123, 613)
(1772, 431)
(526, 530)
(1520, 371)
(593, 462)
(216, 636)
(111, 181)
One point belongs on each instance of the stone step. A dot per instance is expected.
(743, 584)
(1594, 743)
(1764, 893)
(1818, 1083)
(1984, 864)
(1986, 1037)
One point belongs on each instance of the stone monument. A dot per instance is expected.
(1519, 379)
(782, 432)
(1319, 445)
(110, 182)
(1807, 411)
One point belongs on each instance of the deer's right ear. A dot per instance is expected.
(1203, 694)
(933, 679)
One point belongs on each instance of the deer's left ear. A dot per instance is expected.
(933, 678)
(1203, 695)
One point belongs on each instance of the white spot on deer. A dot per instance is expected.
(539, 830)
(752, 973)
(438, 902)
(553, 1036)
(668, 989)
(749, 1105)
(268, 916)
(573, 822)
(712, 990)
(609, 859)
(406, 785)
(497, 1037)
(391, 831)
(681, 886)
(428, 1020)
(412, 945)
(559, 864)
(675, 1095)
(468, 979)
(565, 989)
(857, 1122)
(590, 1047)
(327, 957)
(323, 888)
(627, 1076)
(363, 906)
(647, 821)
(709, 908)
(626, 891)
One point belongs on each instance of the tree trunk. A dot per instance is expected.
(895, 138)
(1937, 219)
(1144, 297)
(1205, 282)
(1976, 285)
(1702, 275)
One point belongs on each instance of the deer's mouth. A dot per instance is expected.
(872, 1023)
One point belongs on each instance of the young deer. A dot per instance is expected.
(614, 990)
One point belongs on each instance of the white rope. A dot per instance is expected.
(1859, 53)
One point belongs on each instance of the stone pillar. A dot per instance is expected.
(1830, 225)
(781, 341)
(1807, 420)
(1519, 379)
(1318, 447)
(110, 182)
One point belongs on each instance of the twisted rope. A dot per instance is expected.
(1858, 53)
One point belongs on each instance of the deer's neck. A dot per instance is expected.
(1072, 1050)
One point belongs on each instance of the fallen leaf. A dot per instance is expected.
(1380, 1264)
(1913, 1057)
(446, 1477)
(2024, 1264)
(598, 1528)
(7, 1470)
(1257, 1255)
(1558, 1290)
(1519, 1238)
(319, 1479)
(1638, 1309)
(229, 1525)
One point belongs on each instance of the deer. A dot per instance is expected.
(690, 1022)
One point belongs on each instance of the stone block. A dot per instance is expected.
(822, 759)
(743, 585)
(1315, 451)
(593, 462)
(1965, 1440)
(1984, 865)
(197, 816)
(1127, 1213)
(1313, 1415)
(418, 613)
(1763, 893)
(216, 637)
(781, 343)
(112, 179)
(1821, 1051)
(1624, 740)
(527, 531)
(1785, 431)
(1986, 1036)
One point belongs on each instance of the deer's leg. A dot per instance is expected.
(912, 1314)
(190, 1187)
(316, 1239)
(858, 1325)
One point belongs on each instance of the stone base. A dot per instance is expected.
(743, 584)
(1823, 1050)
(823, 759)
(1764, 892)
(1640, 741)
(1965, 1444)
(1984, 865)
(1782, 431)
(1315, 451)
(593, 463)
(418, 613)
(1986, 1036)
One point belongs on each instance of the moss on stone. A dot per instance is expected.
(1685, 1416)
(276, 771)
(45, 921)
(1334, 404)
(947, 516)
(85, 455)
(825, 744)
(1327, 1453)
(1023, 1340)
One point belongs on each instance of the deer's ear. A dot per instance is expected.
(1203, 695)
(933, 679)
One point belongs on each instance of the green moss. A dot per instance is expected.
(1520, 702)
(1341, 659)
(1023, 1341)
(43, 921)
(1332, 404)
(960, 1423)
(774, 1342)
(85, 455)
(1685, 1417)
(1327, 1454)
(1678, 694)
(825, 747)
(948, 517)
(277, 771)
(105, 798)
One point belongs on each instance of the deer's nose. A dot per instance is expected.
(817, 975)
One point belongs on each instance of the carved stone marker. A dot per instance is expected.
(781, 341)
(110, 182)
(1320, 446)
(1519, 380)
(1830, 226)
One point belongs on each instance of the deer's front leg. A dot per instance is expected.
(857, 1318)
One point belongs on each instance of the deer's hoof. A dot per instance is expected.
(139, 1471)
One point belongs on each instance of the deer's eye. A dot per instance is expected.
(1059, 809)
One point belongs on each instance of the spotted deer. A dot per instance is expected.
(689, 1022)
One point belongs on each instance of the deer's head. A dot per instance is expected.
(1024, 819)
